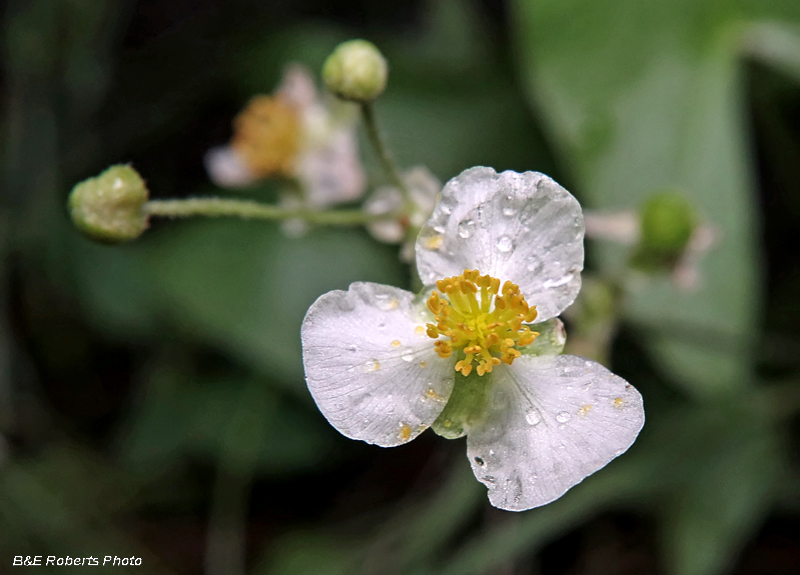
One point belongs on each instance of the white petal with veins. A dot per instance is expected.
(370, 366)
(550, 422)
(519, 227)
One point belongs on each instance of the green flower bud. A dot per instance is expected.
(356, 70)
(108, 208)
(668, 221)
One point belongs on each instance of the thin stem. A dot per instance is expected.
(217, 207)
(227, 524)
(385, 157)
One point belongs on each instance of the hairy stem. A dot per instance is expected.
(218, 207)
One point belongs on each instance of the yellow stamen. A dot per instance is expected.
(267, 136)
(462, 307)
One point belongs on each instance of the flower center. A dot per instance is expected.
(487, 335)
(267, 134)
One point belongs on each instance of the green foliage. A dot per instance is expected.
(629, 97)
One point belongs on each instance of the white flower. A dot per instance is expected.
(293, 134)
(536, 422)
(423, 187)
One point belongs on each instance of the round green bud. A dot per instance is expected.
(108, 208)
(356, 70)
(667, 223)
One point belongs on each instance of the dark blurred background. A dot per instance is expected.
(152, 400)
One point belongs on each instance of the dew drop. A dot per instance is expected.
(508, 206)
(563, 417)
(466, 229)
(532, 417)
(559, 282)
(489, 478)
(352, 348)
(370, 366)
(386, 303)
(505, 244)
(408, 355)
(396, 343)
(439, 228)
(423, 363)
(534, 265)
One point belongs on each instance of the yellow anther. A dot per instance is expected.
(487, 327)
(267, 135)
(443, 348)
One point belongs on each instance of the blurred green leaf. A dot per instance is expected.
(724, 501)
(64, 502)
(655, 104)
(310, 554)
(241, 424)
(243, 287)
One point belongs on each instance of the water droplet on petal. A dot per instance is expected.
(352, 348)
(433, 243)
(505, 244)
(386, 302)
(563, 417)
(396, 343)
(558, 282)
(408, 355)
(534, 265)
(509, 209)
(532, 417)
(466, 229)
(370, 366)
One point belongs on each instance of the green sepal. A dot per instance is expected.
(550, 341)
(466, 405)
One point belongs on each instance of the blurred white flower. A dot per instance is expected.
(423, 187)
(465, 357)
(293, 134)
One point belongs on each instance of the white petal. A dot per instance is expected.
(550, 422)
(332, 172)
(297, 86)
(370, 366)
(227, 169)
(519, 227)
(385, 200)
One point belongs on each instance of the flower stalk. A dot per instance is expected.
(384, 156)
(248, 209)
